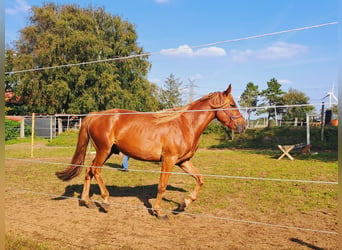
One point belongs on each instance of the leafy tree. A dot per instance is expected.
(67, 34)
(249, 98)
(11, 81)
(272, 96)
(170, 93)
(295, 97)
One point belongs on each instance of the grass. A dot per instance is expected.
(270, 138)
(219, 196)
(15, 242)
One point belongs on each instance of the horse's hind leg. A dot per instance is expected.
(95, 171)
(99, 160)
(85, 199)
(193, 171)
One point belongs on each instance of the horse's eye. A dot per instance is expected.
(232, 105)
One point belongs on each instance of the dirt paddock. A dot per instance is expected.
(63, 223)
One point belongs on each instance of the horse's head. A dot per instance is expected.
(228, 112)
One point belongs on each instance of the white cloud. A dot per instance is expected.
(196, 77)
(279, 50)
(241, 56)
(282, 50)
(155, 80)
(285, 81)
(210, 51)
(20, 6)
(187, 51)
(182, 50)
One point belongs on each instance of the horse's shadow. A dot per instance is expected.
(144, 193)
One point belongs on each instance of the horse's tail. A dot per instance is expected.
(77, 161)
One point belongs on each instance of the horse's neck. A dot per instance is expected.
(200, 119)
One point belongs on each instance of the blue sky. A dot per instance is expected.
(305, 60)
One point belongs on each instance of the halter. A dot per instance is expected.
(233, 117)
(219, 106)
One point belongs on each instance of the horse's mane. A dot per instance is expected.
(167, 115)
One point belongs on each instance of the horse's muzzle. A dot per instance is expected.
(240, 125)
(240, 128)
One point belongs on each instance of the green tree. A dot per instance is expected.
(170, 94)
(272, 96)
(12, 102)
(249, 99)
(67, 34)
(295, 97)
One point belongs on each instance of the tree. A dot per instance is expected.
(68, 34)
(272, 96)
(249, 98)
(170, 93)
(12, 102)
(295, 97)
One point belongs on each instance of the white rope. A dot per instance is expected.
(181, 173)
(184, 213)
(183, 111)
(192, 47)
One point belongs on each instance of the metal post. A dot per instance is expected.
(322, 122)
(22, 127)
(50, 127)
(60, 126)
(68, 122)
(307, 129)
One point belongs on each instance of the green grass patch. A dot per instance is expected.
(15, 242)
(68, 138)
(269, 138)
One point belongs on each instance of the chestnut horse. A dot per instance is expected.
(170, 137)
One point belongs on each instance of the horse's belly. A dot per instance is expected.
(141, 150)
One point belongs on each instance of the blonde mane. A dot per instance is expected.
(166, 115)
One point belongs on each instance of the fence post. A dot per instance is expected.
(322, 122)
(60, 126)
(68, 123)
(32, 134)
(50, 127)
(22, 127)
(307, 129)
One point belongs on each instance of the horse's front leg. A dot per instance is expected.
(167, 165)
(193, 171)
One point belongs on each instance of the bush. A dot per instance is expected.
(269, 138)
(12, 130)
(215, 127)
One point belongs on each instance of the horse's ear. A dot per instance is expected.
(228, 90)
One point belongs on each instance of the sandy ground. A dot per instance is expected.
(65, 224)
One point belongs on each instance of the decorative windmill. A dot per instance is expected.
(331, 96)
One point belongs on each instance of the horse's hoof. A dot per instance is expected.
(182, 207)
(90, 205)
(179, 209)
(162, 216)
(105, 206)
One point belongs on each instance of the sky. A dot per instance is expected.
(200, 41)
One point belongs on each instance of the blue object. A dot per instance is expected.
(124, 164)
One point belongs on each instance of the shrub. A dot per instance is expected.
(12, 130)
